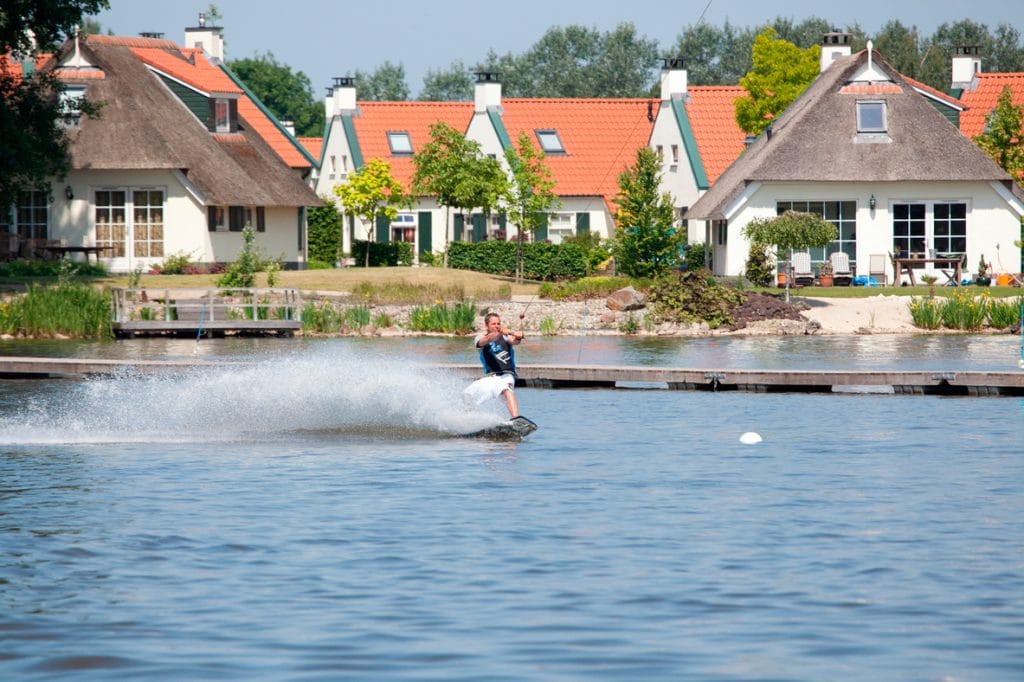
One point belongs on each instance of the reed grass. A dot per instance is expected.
(963, 311)
(926, 313)
(458, 318)
(356, 317)
(401, 292)
(67, 309)
(321, 317)
(1005, 312)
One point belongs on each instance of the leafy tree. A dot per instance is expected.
(791, 231)
(900, 45)
(780, 73)
(324, 232)
(370, 192)
(1003, 137)
(386, 84)
(288, 94)
(453, 85)
(803, 35)
(33, 142)
(443, 169)
(937, 50)
(713, 55)
(530, 193)
(646, 242)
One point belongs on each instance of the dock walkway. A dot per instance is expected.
(915, 382)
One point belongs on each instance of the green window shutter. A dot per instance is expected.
(541, 233)
(582, 223)
(424, 220)
(460, 223)
(479, 227)
(383, 229)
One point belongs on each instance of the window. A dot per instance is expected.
(111, 227)
(682, 223)
(675, 153)
(660, 151)
(32, 214)
(908, 223)
(403, 228)
(241, 216)
(550, 142)
(842, 214)
(71, 102)
(950, 228)
(148, 223)
(561, 226)
(399, 143)
(215, 219)
(222, 116)
(871, 117)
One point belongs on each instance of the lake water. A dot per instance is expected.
(312, 517)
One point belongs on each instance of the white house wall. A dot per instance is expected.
(676, 177)
(991, 228)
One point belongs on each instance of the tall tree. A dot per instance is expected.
(938, 49)
(531, 192)
(780, 73)
(385, 84)
(900, 46)
(372, 192)
(1003, 137)
(804, 34)
(324, 230)
(646, 241)
(33, 142)
(288, 94)
(452, 85)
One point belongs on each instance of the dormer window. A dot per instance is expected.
(550, 142)
(71, 98)
(871, 117)
(400, 143)
(222, 116)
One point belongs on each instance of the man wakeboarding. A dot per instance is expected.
(496, 346)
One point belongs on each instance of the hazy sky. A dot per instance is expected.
(334, 38)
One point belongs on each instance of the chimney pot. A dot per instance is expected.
(487, 91)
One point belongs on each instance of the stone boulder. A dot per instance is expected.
(626, 299)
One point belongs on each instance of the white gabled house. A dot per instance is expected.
(865, 150)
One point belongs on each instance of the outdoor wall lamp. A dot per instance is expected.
(69, 193)
(872, 202)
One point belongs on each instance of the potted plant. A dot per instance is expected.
(825, 274)
(983, 278)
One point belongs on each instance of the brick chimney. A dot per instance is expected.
(673, 78)
(487, 91)
(834, 45)
(966, 63)
(210, 38)
(341, 97)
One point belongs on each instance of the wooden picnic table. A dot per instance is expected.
(951, 266)
(60, 251)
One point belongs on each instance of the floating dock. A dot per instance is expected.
(915, 382)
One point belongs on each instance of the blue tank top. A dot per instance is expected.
(498, 357)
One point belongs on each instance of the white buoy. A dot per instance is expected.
(750, 438)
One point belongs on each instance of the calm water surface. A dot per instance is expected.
(312, 517)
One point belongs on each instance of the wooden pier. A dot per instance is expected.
(209, 312)
(918, 382)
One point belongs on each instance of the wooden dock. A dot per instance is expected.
(209, 312)
(922, 382)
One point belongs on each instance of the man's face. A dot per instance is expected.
(493, 324)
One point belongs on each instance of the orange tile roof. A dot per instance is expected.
(600, 137)
(376, 119)
(313, 145)
(938, 94)
(984, 98)
(711, 111)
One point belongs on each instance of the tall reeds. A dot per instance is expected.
(962, 310)
(66, 309)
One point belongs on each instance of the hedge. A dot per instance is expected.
(382, 253)
(541, 261)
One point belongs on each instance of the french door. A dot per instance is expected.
(131, 222)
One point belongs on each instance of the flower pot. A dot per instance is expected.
(983, 281)
(825, 280)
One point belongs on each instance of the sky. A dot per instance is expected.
(328, 38)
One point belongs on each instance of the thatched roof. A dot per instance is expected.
(143, 125)
(816, 140)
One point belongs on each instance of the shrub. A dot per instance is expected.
(324, 233)
(694, 297)
(318, 265)
(176, 263)
(695, 257)
(587, 287)
(382, 253)
(242, 272)
(541, 261)
(759, 267)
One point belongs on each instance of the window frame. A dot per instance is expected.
(864, 112)
(221, 115)
(841, 213)
(397, 148)
(547, 135)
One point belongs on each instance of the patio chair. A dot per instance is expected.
(878, 270)
(841, 273)
(802, 272)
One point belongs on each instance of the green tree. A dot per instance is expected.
(530, 193)
(372, 192)
(324, 232)
(443, 168)
(288, 94)
(452, 85)
(900, 46)
(781, 72)
(937, 50)
(791, 231)
(715, 56)
(1003, 137)
(385, 84)
(803, 35)
(33, 141)
(646, 242)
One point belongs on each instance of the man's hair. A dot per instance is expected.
(488, 316)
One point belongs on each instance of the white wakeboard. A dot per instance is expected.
(516, 428)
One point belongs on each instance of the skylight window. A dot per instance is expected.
(871, 117)
(400, 142)
(550, 142)
(71, 98)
